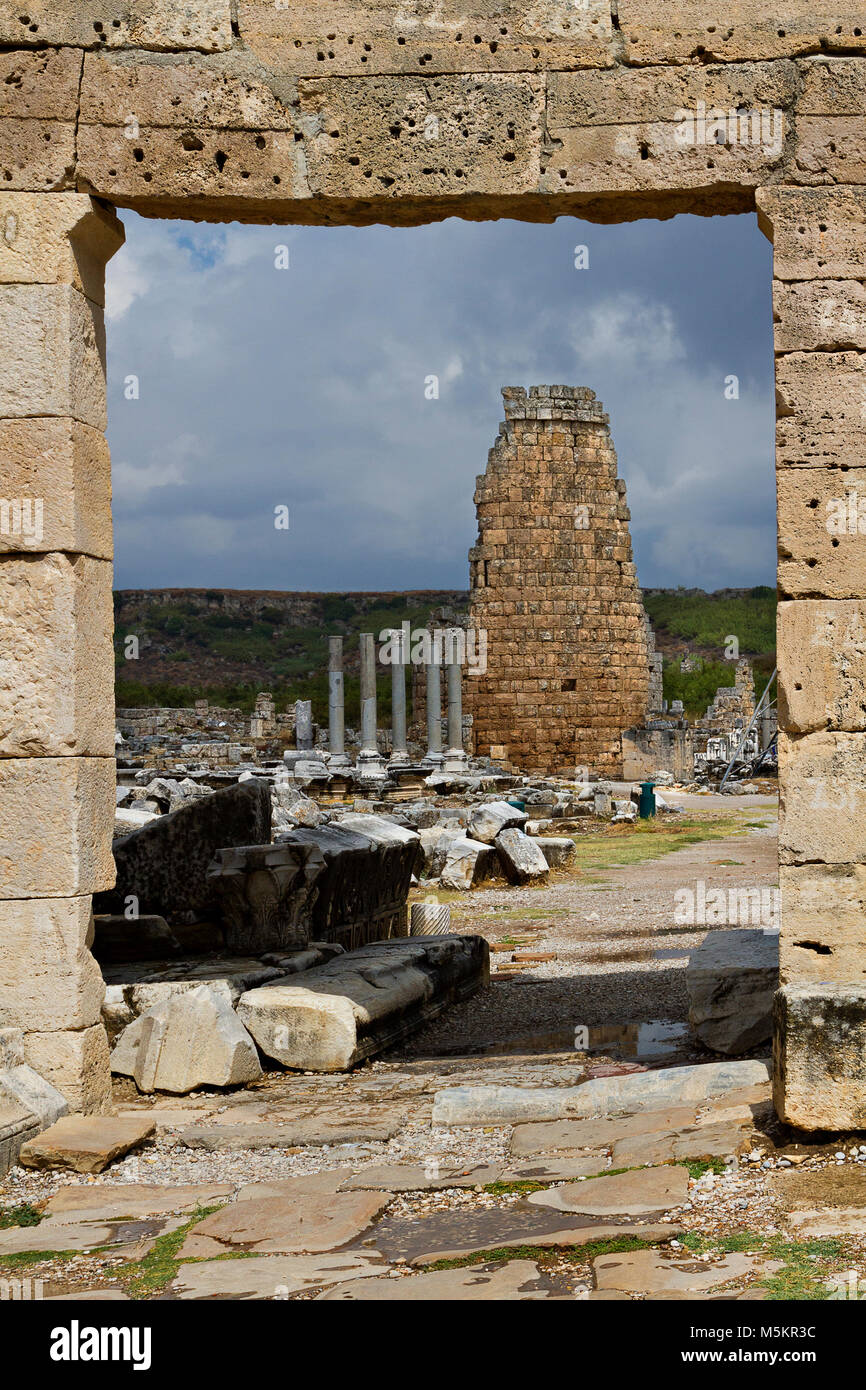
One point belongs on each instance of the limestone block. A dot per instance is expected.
(37, 156)
(819, 1055)
(822, 664)
(361, 896)
(819, 315)
(62, 240)
(648, 157)
(820, 419)
(485, 135)
(658, 31)
(214, 93)
(21, 1083)
(265, 895)
(354, 38)
(158, 24)
(830, 150)
(816, 232)
(164, 864)
(558, 850)
(56, 816)
(192, 1039)
(663, 95)
(822, 811)
(56, 656)
(467, 862)
(66, 465)
(832, 87)
(40, 85)
(823, 907)
(363, 1001)
(87, 1145)
(609, 1095)
(49, 978)
(522, 858)
(816, 557)
(731, 979)
(486, 820)
(17, 1125)
(54, 362)
(76, 1063)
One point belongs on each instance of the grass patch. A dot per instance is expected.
(546, 1255)
(148, 1276)
(647, 840)
(25, 1258)
(698, 1166)
(805, 1264)
(22, 1215)
(504, 1189)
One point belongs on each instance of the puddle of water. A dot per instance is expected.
(641, 1041)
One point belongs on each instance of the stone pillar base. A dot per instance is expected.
(819, 1055)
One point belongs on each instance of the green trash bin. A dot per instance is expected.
(647, 803)
(513, 801)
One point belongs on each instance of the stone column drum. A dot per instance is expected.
(370, 763)
(399, 748)
(820, 314)
(336, 705)
(56, 623)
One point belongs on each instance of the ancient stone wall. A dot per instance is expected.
(554, 587)
(406, 113)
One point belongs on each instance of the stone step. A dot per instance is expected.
(364, 1001)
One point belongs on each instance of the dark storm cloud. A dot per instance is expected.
(305, 387)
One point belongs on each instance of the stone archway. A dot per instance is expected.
(240, 109)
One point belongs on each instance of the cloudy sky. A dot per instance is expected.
(261, 387)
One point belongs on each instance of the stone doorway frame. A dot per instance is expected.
(236, 110)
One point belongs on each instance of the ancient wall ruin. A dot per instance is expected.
(554, 587)
(404, 114)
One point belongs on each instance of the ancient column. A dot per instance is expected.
(370, 763)
(303, 725)
(433, 756)
(820, 1017)
(399, 749)
(57, 772)
(336, 705)
(455, 757)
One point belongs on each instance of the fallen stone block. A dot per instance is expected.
(118, 938)
(647, 1090)
(468, 862)
(362, 894)
(521, 857)
(265, 894)
(193, 1039)
(488, 819)
(17, 1125)
(731, 979)
(362, 1002)
(558, 850)
(624, 813)
(85, 1143)
(164, 864)
(24, 1085)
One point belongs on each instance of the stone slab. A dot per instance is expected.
(272, 1276)
(649, 1271)
(113, 1201)
(641, 1192)
(515, 1281)
(306, 1223)
(85, 1143)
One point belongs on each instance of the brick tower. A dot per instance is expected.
(554, 586)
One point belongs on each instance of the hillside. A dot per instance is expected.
(225, 645)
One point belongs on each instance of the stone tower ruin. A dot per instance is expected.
(554, 587)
